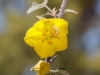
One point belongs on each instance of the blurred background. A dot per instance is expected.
(83, 54)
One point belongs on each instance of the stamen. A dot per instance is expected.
(49, 42)
(54, 36)
(58, 37)
(43, 39)
(56, 29)
(52, 31)
(44, 33)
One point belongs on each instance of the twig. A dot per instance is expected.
(53, 13)
(49, 9)
(48, 59)
(62, 8)
(53, 59)
(48, 13)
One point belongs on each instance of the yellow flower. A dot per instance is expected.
(48, 36)
(41, 68)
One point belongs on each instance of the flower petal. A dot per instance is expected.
(60, 43)
(63, 31)
(44, 50)
(49, 50)
(38, 47)
(63, 38)
(32, 36)
(39, 25)
(45, 68)
(42, 67)
(61, 23)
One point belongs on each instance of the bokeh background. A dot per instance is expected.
(83, 54)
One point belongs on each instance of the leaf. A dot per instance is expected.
(36, 6)
(63, 71)
(51, 73)
(60, 70)
(45, 2)
(40, 17)
(71, 11)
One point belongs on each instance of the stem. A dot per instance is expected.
(62, 8)
(49, 9)
(48, 59)
(53, 59)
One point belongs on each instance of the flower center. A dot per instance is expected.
(50, 33)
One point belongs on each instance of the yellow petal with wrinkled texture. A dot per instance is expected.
(45, 68)
(63, 31)
(39, 47)
(42, 68)
(39, 25)
(48, 50)
(60, 43)
(32, 33)
(38, 72)
(61, 23)
(32, 36)
(63, 38)
(44, 50)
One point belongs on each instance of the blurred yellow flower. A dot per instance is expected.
(41, 68)
(48, 36)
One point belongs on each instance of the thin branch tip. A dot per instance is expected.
(62, 8)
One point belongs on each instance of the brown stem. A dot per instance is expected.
(48, 59)
(53, 59)
(62, 8)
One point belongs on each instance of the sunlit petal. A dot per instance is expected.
(41, 68)
(32, 36)
(39, 25)
(44, 50)
(48, 50)
(63, 38)
(39, 48)
(60, 43)
(63, 31)
(61, 23)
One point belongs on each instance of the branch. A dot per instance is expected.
(48, 59)
(51, 60)
(62, 8)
